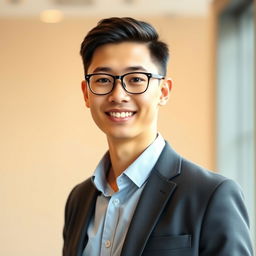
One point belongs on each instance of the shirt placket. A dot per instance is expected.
(110, 225)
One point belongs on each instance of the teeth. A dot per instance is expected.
(120, 114)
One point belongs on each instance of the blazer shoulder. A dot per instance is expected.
(198, 182)
(80, 190)
(78, 194)
(175, 167)
(200, 175)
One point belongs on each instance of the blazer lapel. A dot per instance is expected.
(155, 195)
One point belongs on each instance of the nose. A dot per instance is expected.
(118, 94)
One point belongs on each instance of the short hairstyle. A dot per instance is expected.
(117, 30)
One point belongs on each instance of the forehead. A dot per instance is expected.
(120, 56)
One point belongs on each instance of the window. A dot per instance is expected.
(236, 99)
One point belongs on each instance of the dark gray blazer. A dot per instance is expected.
(184, 210)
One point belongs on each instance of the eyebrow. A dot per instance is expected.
(102, 69)
(128, 69)
(135, 68)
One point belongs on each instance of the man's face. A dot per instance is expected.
(121, 115)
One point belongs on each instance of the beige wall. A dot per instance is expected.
(48, 140)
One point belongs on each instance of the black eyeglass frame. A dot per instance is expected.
(149, 75)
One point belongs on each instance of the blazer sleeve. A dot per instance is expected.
(225, 227)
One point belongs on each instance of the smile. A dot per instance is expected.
(121, 114)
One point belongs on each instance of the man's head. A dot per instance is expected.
(117, 30)
(124, 83)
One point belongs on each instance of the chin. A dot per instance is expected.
(122, 135)
(119, 136)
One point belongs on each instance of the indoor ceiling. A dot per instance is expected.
(83, 8)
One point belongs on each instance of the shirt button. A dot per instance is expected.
(107, 244)
(116, 201)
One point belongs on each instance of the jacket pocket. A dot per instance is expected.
(168, 242)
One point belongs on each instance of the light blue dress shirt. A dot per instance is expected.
(114, 210)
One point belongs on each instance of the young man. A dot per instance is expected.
(144, 198)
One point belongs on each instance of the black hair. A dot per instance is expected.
(117, 30)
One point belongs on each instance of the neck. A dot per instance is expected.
(123, 152)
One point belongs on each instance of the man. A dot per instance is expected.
(144, 198)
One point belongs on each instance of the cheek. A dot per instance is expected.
(95, 116)
(150, 106)
(151, 101)
(91, 102)
(94, 109)
(95, 103)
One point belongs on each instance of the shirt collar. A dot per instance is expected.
(140, 169)
(99, 175)
(137, 172)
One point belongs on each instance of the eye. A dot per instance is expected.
(136, 79)
(103, 80)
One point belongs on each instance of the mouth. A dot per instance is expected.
(120, 115)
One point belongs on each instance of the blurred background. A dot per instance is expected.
(49, 142)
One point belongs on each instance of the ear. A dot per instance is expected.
(166, 87)
(85, 93)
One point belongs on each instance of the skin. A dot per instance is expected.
(128, 137)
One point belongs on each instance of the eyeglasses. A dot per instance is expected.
(133, 82)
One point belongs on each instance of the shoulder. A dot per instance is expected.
(192, 180)
(192, 172)
(82, 187)
(200, 181)
(78, 192)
